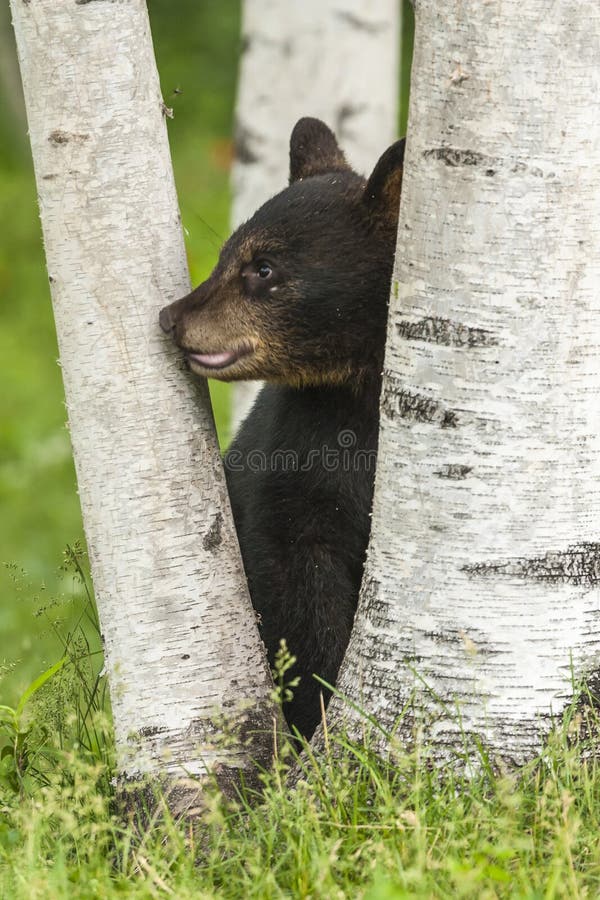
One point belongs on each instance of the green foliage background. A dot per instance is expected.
(197, 47)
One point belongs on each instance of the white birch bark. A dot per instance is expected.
(337, 60)
(180, 634)
(484, 563)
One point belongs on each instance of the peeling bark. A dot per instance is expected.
(184, 659)
(481, 585)
(334, 59)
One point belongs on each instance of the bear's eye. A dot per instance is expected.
(263, 269)
(260, 277)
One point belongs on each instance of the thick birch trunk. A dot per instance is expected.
(334, 59)
(484, 563)
(181, 639)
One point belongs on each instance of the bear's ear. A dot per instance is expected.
(382, 193)
(314, 150)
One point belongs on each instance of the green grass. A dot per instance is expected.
(354, 826)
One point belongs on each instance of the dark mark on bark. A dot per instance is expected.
(454, 471)
(63, 137)
(445, 637)
(212, 539)
(345, 112)
(151, 730)
(362, 24)
(443, 331)
(378, 613)
(243, 145)
(185, 656)
(579, 564)
(453, 157)
(450, 419)
(58, 137)
(416, 407)
(84, 2)
(48, 177)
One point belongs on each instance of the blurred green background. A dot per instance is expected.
(197, 46)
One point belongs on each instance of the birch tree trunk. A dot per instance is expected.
(334, 59)
(482, 581)
(180, 634)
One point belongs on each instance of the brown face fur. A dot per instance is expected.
(299, 293)
(217, 318)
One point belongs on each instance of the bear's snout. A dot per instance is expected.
(165, 320)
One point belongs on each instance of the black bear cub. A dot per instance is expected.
(299, 298)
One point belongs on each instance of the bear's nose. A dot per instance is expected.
(165, 321)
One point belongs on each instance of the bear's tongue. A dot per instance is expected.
(214, 360)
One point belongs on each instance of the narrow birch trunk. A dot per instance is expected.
(334, 59)
(484, 563)
(180, 635)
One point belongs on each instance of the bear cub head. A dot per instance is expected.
(300, 291)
